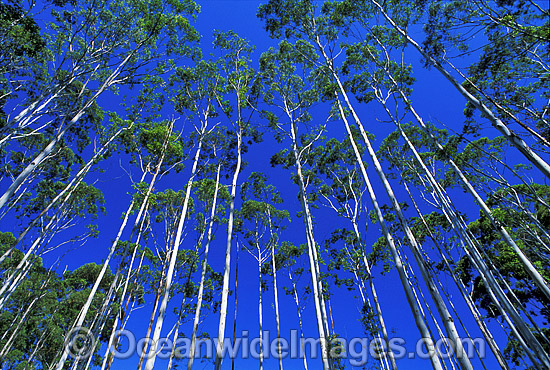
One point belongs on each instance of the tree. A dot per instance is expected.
(239, 81)
(261, 219)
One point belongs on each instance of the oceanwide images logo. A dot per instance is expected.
(81, 343)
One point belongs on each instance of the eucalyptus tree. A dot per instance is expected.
(23, 51)
(215, 198)
(475, 152)
(175, 232)
(507, 73)
(342, 190)
(159, 147)
(162, 146)
(508, 265)
(468, 154)
(400, 83)
(260, 221)
(132, 292)
(51, 302)
(300, 20)
(207, 212)
(493, 20)
(65, 192)
(92, 54)
(434, 226)
(286, 71)
(85, 202)
(287, 258)
(240, 94)
(197, 94)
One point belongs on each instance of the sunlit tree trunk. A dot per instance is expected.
(108, 358)
(276, 297)
(322, 324)
(446, 317)
(172, 263)
(377, 307)
(203, 273)
(227, 266)
(83, 312)
(299, 311)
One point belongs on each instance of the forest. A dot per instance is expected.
(280, 184)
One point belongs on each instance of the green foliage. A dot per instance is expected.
(50, 303)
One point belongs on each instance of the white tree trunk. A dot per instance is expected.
(227, 267)
(203, 273)
(322, 324)
(174, 253)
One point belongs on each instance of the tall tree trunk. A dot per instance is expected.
(276, 298)
(377, 307)
(108, 358)
(531, 270)
(227, 267)
(260, 311)
(485, 273)
(471, 305)
(151, 320)
(174, 253)
(298, 310)
(203, 273)
(235, 309)
(82, 315)
(322, 324)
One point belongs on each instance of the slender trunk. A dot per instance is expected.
(473, 309)
(235, 309)
(9, 342)
(124, 316)
(175, 336)
(276, 297)
(227, 267)
(119, 317)
(12, 281)
(360, 284)
(298, 310)
(260, 312)
(321, 321)
(377, 307)
(151, 321)
(485, 273)
(82, 315)
(203, 273)
(173, 258)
